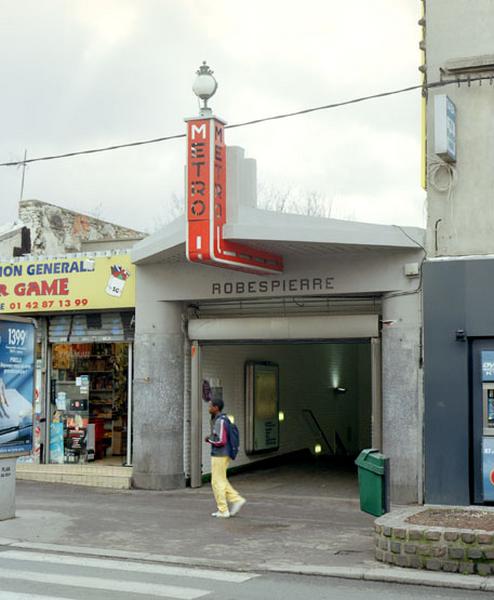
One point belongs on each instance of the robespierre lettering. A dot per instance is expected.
(273, 286)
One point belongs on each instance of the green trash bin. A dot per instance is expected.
(373, 480)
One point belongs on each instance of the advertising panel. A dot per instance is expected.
(262, 407)
(488, 468)
(17, 364)
(487, 358)
(67, 284)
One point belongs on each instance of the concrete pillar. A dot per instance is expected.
(158, 391)
(402, 395)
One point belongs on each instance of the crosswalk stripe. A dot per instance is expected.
(26, 596)
(124, 565)
(114, 585)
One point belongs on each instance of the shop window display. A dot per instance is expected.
(88, 401)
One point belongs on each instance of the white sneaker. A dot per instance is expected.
(221, 515)
(236, 506)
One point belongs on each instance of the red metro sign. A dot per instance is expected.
(206, 205)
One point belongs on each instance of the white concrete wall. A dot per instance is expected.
(455, 30)
(403, 395)
(8, 243)
(308, 373)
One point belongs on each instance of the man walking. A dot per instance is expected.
(223, 492)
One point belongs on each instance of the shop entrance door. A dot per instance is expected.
(89, 403)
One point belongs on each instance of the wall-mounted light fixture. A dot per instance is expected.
(340, 390)
(281, 416)
(317, 449)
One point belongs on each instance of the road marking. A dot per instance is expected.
(128, 566)
(113, 585)
(25, 596)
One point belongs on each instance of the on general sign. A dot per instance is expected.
(62, 284)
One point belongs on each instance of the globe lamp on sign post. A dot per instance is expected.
(204, 87)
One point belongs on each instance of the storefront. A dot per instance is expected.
(459, 375)
(84, 309)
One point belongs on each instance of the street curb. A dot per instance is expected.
(376, 574)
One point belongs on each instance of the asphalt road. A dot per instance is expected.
(29, 575)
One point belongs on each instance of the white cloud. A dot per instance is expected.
(97, 72)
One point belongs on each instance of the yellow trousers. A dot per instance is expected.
(222, 490)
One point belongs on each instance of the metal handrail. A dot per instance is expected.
(309, 414)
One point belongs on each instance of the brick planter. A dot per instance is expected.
(451, 550)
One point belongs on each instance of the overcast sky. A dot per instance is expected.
(79, 74)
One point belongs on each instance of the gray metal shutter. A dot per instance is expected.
(92, 327)
(285, 307)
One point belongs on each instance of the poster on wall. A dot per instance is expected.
(487, 358)
(17, 369)
(262, 407)
(488, 468)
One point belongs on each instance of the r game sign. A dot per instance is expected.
(63, 284)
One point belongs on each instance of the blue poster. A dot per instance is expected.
(56, 443)
(487, 358)
(16, 386)
(488, 468)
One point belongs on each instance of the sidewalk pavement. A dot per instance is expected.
(320, 535)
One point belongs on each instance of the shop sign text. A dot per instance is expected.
(273, 286)
(57, 285)
(207, 207)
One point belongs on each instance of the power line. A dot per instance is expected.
(305, 111)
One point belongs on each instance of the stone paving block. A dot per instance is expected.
(468, 538)
(466, 568)
(415, 535)
(416, 562)
(432, 535)
(402, 561)
(379, 554)
(456, 553)
(433, 564)
(450, 567)
(424, 550)
(386, 531)
(383, 544)
(474, 553)
(451, 536)
(399, 533)
(484, 538)
(410, 548)
(488, 553)
(395, 547)
(439, 551)
(484, 569)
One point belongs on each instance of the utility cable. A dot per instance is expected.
(305, 111)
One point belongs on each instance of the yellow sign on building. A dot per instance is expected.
(67, 284)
